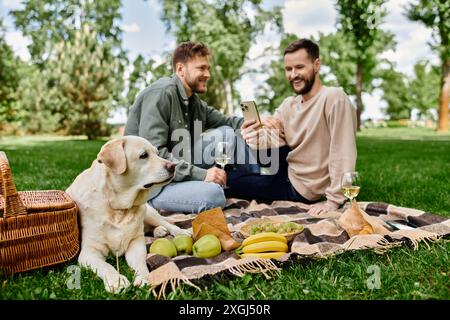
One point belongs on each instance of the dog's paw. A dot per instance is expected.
(140, 281)
(174, 230)
(115, 283)
(160, 232)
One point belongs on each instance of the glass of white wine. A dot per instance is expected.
(350, 184)
(222, 155)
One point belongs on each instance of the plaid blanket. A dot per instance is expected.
(322, 237)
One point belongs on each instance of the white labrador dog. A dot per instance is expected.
(112, 199)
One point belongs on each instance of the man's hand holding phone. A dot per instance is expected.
(250, 129)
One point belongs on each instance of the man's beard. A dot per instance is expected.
(309, 82)
(195, 85)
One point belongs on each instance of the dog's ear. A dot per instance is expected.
(112, 155)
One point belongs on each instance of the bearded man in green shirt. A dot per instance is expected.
(174, 119)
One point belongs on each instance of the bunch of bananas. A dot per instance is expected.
(266, 245)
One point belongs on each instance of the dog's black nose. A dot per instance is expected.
(169, 166)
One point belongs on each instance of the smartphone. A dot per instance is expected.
(399, 225)
(250, 111)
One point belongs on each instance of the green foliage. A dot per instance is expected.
(434, 14)
(9, 80)
(396, 94)
(341, 57)
(404, 94)
(424, 88)
(36, 101)
(76, 74)
(83, 76)
(49, 22)
(228, 28)
(143, 73)
(359, 21)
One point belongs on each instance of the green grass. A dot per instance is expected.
(404, 167)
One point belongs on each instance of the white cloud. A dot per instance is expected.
(412, 38)
(12, 4)
(132, 28)
(19, 44)
(153, 3)
(306, 20)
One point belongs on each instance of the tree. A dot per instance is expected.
(396, 93)
(403, 94)
(83, 77)
(56, 26)
(228, 28)
(143, 73)
(37, 102)
(423, 89)
(9, 80)
(435, 14)
(48, 22)
(359, 22)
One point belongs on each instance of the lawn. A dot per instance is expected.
(405, 167)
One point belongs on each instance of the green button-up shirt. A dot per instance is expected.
(164, 107)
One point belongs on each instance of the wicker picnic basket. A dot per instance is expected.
(37, 228)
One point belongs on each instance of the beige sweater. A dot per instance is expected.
(321, 133)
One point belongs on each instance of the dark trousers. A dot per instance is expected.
(263, 188)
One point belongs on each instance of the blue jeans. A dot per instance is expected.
(264, 188)
(197, 196)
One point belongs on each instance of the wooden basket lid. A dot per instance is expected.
(42, 200)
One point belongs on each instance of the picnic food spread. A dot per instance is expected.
(264, 238)
(266, 245)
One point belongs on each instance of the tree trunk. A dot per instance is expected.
(228, 98)
(444, 98)
(359, 103)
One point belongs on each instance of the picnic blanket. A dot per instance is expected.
(323, 236)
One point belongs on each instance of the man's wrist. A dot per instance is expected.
(332, 205)
(198, 173)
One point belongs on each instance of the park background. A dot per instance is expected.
(70, 71)
(74, 66)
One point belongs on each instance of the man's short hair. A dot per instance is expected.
(311, 48)
(187, 51)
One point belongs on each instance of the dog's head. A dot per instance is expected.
(133, 168)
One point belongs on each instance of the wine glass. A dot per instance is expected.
(222, 155)
(350, 184)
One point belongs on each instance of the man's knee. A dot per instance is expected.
(214, 196)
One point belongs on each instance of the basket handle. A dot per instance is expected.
(13, 204)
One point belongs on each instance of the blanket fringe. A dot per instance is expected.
(414, 240)
(256, 265)
(425, 240)
(384, 246)
(175, 283)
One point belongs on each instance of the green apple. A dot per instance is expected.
(207, 246)
(163, 247)
(183, 243)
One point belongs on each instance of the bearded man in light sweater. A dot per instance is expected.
(315, 136)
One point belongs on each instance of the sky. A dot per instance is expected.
(145, 34)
